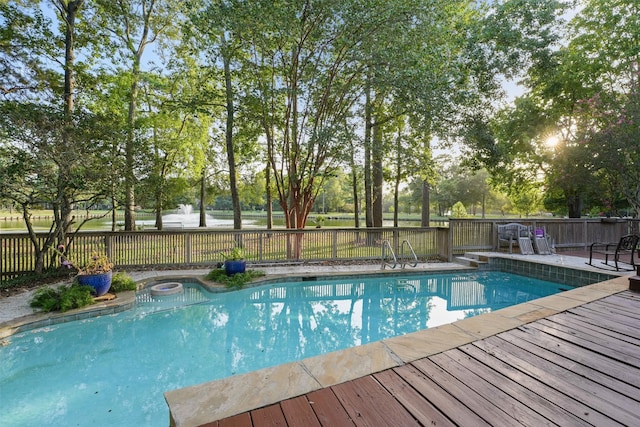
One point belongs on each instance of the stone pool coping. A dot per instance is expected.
(124, 301)
(203, 403)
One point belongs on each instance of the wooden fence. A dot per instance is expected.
(567, 234)
(203, 247)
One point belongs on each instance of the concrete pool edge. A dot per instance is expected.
(215, 400)
(123, 302)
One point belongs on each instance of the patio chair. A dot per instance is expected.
(515, 233)
(541, 242)
(626, 246)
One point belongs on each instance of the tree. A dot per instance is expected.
(582, 95)
(131, 26)
(44, 161)
(510, 144)
(45, 138)
(179, 137)
(616, 143)
(435, 82)
(458, 210)
(607, 42)
(21, 45)
(217, 30)
(299, 58)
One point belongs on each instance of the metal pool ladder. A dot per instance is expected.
(389, 257)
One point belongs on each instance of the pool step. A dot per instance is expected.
(473, 260)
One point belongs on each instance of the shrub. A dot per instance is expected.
(121, 282)
(62, 298)
(237, 281)
(459, 211)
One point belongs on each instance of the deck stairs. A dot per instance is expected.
(475, 260)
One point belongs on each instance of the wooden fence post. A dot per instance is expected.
(108, 246)
(187, 248)
(334, 254)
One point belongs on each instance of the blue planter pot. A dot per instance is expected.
(100, 282)
(234, 267)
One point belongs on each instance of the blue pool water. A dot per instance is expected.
(113, 370)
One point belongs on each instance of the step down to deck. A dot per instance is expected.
(472, 260)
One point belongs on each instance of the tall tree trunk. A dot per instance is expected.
(396, 189)
(354, 186)
(130, 151)
(69, 11)
(425, 216)
(396, 202)
(233, 184)
(378, 180)
(203, 198)
(426, 202)
(114, 214)
(574, 205)
(269, 197)
(368, 193)
(158, 209)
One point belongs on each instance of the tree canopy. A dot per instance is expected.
(175, 101)
(582, 96)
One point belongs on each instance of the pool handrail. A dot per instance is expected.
(404, 258)
(386, 246)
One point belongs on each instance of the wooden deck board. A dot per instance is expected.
(269, 416)
(552, 413)
(511, 405)
(594, 328)
(572, 385)
(586, 362)
(593, 374)
(420, 408)
(621, 350)
(433, 393)
(579, 410)
(626, 329)
(298, 412)
(368, 403)
(328, 408)
(579, 367)
(481, 404)
(240, 420)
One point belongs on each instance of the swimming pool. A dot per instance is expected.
(113, 370)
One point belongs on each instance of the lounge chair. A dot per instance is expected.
(518, 234)
(541, 242)
(626, 246)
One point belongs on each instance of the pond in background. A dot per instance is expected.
(174, 220)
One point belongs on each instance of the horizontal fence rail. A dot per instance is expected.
(195, 247)
(204, 247)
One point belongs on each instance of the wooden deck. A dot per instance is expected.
(579, 367)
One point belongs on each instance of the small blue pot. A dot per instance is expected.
(99, 282)
(234, 267)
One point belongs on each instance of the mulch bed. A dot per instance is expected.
(18, 288)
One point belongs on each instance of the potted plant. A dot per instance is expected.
(234, 261)
(96, 273)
